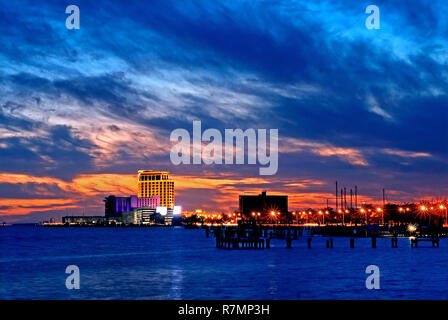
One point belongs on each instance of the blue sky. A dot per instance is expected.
(83, 110)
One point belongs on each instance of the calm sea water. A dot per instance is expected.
(173, 263)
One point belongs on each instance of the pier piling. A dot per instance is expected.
(309, 243)
(394, 242)
(289, 242)
(352, 242)
(435, 242)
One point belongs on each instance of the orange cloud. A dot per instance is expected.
(406, 154)
(24, 178)
(104, 184)
(350, 155)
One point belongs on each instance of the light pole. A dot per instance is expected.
(401, 210)
(297, 218)
(323, 217)
(446, 214)
(365, 214)
(382, 215)
(424, 209)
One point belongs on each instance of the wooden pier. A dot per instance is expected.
(252, 236)
(434, 241)
(241, 237)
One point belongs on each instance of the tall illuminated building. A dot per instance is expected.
(156, 183)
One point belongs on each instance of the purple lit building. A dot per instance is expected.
(115, 206)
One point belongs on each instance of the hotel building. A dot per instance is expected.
(156, 183)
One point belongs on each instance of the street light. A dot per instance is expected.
(382, 215)
(323, 217)
(365, 214)
(340, 211)
(273, 214)
(446, 215)
(294, 214)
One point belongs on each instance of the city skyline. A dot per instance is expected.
(83, 110)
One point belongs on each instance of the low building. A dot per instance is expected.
(148, 215)
(134, 217)
(115, 206)
(143, 215)
(262, 204)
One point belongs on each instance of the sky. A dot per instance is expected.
(83, 110)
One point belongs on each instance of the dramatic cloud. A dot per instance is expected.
(83, 110)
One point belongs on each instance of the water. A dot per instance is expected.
(173, 263)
